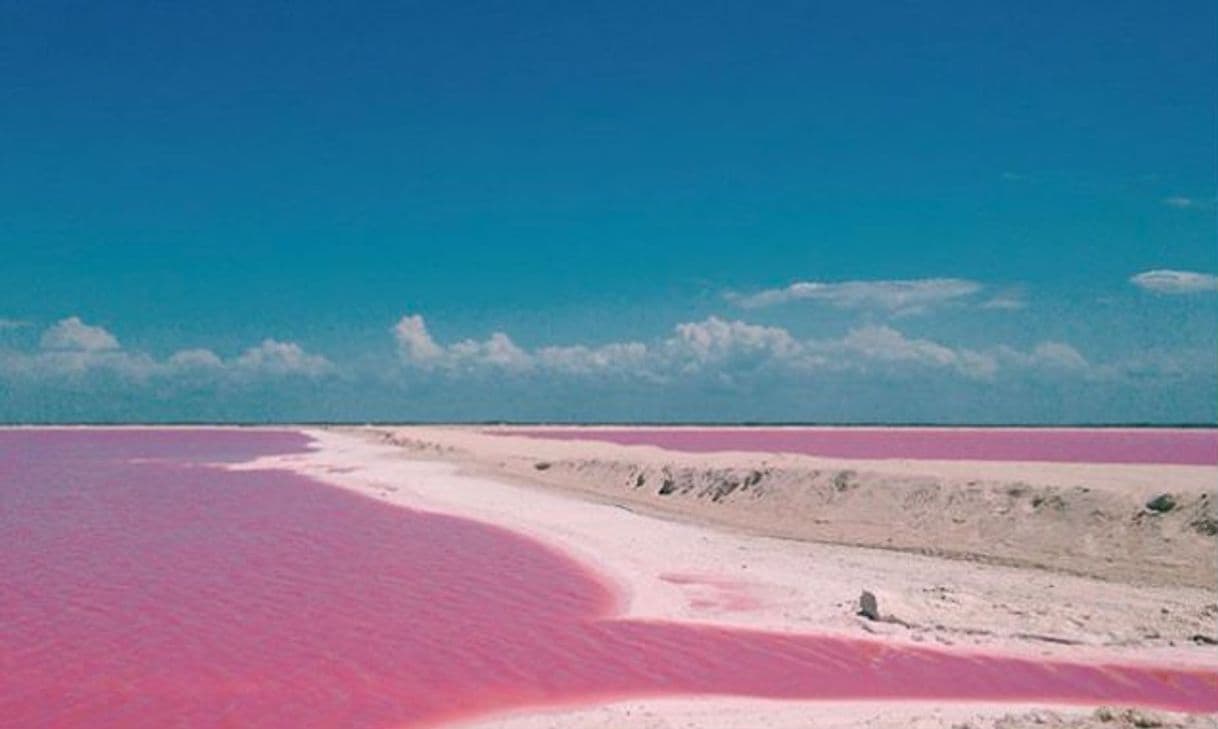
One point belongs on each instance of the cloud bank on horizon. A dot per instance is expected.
(720, 351)
(731, 348)
(726, 348)
(71, 348)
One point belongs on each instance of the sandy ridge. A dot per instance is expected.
(1085, 519)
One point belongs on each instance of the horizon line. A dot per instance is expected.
(608, 423)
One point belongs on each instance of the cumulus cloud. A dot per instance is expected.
(498, 350)
(415, 341)
(1165, 281)
(1053, 356)
(691, 347)
(724, 348)
(714, 340)
(71, 348)
(898, 296)
(74, 334)
(7, 324)
(417, 348)
(195, 360)
(885, 345)
(76, 362)
(281, 358)
(614, 358)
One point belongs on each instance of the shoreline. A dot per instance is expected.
(712, 712)
(490, 425)
(788, 585)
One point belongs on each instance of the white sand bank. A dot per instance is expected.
(1085, 519)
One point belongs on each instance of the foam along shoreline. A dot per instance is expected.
(667, 570)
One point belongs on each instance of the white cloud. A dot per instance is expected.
(417, 348)
(887, 344)
(6, 324)
(196, 360)
(615, 358)
(869, 346)
(281, 358)
(710, 350)
(714, 340)
(1164, 281)
(1053, 356)
(501, 351)
(691, 346)
(71, 348)
(75, 362)
(900, 296)
(1181, 202)
(74, 334)
(414, 341)
(497, 351)
(726, 349)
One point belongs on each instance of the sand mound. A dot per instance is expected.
(1074, 529)
(1089, 521)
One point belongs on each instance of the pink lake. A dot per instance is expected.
(144, 588)
(1179, 446)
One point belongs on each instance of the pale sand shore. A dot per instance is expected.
(1086, 519)
(716, 713)
(788, 584)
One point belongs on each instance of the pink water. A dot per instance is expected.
(1179, 446)
(154, 593)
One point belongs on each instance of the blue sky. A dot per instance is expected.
(933, 212)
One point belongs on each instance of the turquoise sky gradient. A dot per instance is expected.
(209, 178)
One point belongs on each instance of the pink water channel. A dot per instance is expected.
(1178, 446)
(141, 587)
